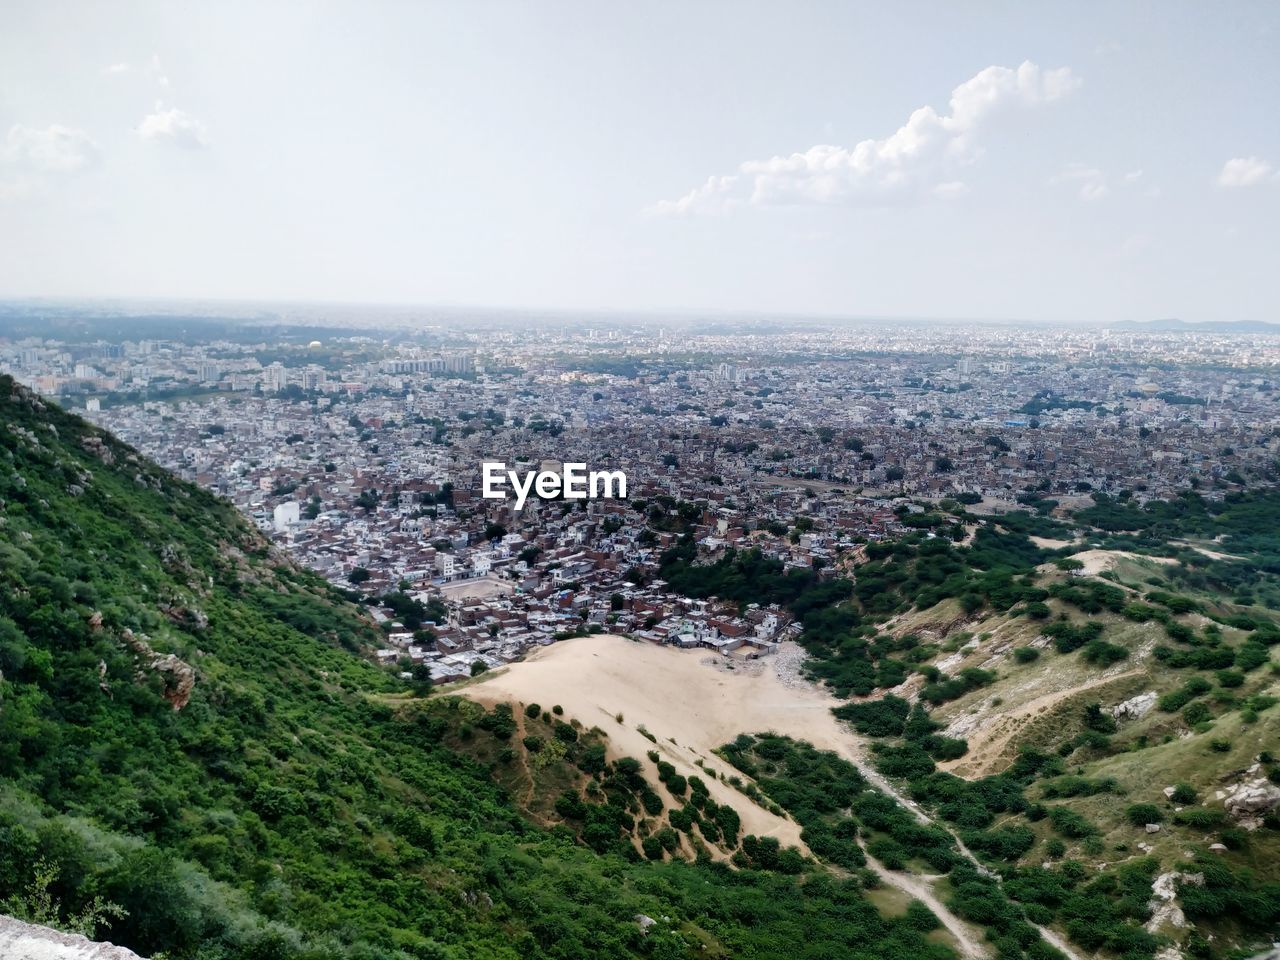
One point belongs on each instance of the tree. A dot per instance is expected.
(421, 679)
(359, 575)
(495, 531)
(478, 667)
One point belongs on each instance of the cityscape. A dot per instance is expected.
(361, 454)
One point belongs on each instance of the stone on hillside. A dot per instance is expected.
(1135, 708)
(25, 941)
(1252, 800)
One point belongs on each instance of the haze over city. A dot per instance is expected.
(1089, 163)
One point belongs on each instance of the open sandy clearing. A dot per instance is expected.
(1096, 561)
(481, 589)
(692, 703)
(687, 700)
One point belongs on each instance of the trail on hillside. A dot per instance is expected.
(857, 757)
(988, 743)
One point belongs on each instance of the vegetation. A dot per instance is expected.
(295, 801)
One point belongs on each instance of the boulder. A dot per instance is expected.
(179, 676)
(1135, 708)
(21, 941)
(1252, 799)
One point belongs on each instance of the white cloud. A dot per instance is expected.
(118, 69)
(173, 126)
(53, 149)
(918, 159)
(1244, 172)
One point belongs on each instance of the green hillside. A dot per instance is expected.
(189, 734)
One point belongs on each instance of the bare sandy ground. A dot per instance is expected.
(480, 589)
(1096, 561)
(1048, 544)
(688, 700)
(693, 703)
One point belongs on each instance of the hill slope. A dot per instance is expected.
(194, 759)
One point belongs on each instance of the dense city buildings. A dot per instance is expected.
(361, 451)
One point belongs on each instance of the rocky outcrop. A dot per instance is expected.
(96, 448)
(25, 941)
(1135, 708)
(179, 676)
(1164, 908)
(1251, 800)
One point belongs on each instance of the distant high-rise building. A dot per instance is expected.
(276, 377)
(208, 372)
(965, 366)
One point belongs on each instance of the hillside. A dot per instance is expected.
(1105, 708)
(196, 760)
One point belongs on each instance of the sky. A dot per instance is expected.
(1064, 161)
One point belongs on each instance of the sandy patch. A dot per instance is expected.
(1096, 561)
(482, 589)
(687, 699)
(1044, 543)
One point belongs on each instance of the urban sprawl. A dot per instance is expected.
(361, 452)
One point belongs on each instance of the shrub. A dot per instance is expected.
(1026, 654)
(1199, 818)
(1140, 814)
(1071, 824)
(1183, 794)
(1103, 654)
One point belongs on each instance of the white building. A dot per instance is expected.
(286, 514)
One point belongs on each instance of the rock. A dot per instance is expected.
(1135, 708)
(644, 923)
(25, 941)
(1163, 905)
(1253, 799)
(179, 676)
(1218, 848)
(95, 447)
(1153, 828)
(1168, 792)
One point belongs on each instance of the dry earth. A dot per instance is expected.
(692, 703)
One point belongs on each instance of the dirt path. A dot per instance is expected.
(921, 888)
(987, 744)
